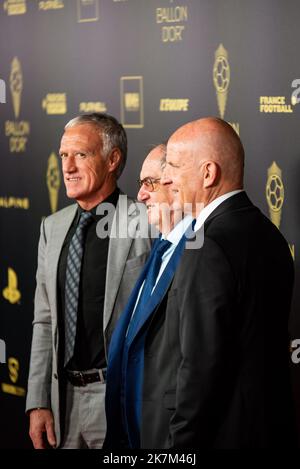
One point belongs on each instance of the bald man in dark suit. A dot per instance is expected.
(216, 363)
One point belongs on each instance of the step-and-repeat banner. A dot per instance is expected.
(155, 65)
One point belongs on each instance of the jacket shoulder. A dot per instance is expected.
(59, 217)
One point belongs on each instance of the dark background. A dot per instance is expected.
(86, 60)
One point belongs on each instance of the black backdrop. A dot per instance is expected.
(154, 64)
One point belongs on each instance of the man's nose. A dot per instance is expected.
(143, 195)
(69, 164)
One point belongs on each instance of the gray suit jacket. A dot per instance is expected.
(126, 256)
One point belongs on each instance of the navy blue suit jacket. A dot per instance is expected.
(125, 360)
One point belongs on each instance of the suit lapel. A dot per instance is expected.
(118, 252)
(119, 333)
(59, 231)
(160, 289)
(238, 201)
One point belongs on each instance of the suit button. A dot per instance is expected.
(55, 376)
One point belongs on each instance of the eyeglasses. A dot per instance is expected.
(150, 184)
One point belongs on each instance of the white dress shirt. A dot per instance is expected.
(178, 231)
(174, 237)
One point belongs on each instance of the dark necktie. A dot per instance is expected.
(73, 270)
(150, 281)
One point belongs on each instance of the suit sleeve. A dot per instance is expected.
(206, 298)
(39, 382)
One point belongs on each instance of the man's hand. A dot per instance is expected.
(41, 430)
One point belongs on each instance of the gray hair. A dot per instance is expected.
(112, 133)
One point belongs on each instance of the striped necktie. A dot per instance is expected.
(73, 270)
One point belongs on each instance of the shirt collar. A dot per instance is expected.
(178, 231)
(206, 211)
(111, 199)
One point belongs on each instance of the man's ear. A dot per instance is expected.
(114, 160)
(211, 174)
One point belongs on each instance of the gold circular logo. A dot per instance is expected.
(221, 74)
(53, 178)
(275, 192)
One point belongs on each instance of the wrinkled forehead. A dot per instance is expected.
(81, 135)
(151, 168)
(183, 151)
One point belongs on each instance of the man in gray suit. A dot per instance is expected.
(94, 273)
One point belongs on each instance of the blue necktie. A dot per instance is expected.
(149, 283)
(136, 321)
(73, 270)
(125, 372)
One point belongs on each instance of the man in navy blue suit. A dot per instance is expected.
(126, 352)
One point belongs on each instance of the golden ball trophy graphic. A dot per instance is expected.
(275, 193)
(221, 77)
(53, 181)
(16, 85)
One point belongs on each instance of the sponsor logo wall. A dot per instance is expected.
(154, 64)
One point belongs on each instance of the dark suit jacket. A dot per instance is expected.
(216, 354)
(125, 359)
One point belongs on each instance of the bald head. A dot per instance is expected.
(157, 155)
(210, 156)
(214, 139)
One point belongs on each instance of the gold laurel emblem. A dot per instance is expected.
(275, 193)
(221, 77)
(11, 292)
(16, 85)
(13, 368)
(53, 181)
